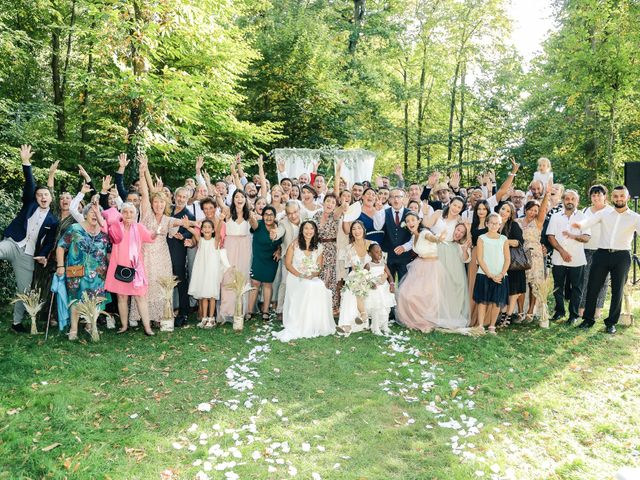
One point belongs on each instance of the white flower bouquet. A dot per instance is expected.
(360, 282)
(309, 266)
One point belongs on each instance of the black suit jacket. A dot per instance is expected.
(17, 229)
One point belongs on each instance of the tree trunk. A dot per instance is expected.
(406, 118)
(452, 110)
(56, 81)
(461, 118)
(359, 10)
(84, 106)
(136, 106)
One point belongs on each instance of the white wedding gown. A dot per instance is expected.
(307, 303)
(348, 303)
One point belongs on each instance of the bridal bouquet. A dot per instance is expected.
(309, 266)
(360, 282)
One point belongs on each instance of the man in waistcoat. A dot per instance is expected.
(396, 242)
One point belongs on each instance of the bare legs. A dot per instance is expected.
(75, 317)
(143, 309)
(266, 295)
(487, 315)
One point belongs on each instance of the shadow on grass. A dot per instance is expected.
(116, 406)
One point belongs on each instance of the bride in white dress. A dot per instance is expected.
(356, 256)
(307, 304)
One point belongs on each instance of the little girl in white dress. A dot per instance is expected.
(381, 299)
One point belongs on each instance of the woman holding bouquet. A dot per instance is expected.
(307, 304)
(353, 317)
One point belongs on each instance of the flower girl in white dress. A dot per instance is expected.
(307, 305)
(381, 298)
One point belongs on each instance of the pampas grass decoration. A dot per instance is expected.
(89, 309)
(542, 292)
(32, 305)
(239, 286)
(167, 284)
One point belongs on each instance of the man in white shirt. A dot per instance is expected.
(568, 257)
(612, 257)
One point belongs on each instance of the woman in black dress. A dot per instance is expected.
(517, 278)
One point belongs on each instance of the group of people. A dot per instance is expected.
(323, 258)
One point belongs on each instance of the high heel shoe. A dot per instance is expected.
(122, 331)
(149, 334)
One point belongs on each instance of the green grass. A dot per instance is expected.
(556, 404)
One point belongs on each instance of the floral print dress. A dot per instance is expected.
(328, 234)
(89, 251)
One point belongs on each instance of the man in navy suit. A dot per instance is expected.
(30, 236)
(397, 239)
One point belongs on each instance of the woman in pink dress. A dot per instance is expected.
(127, 237)
(237, 245)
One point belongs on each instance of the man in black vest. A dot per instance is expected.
(30, 236)
(397, 239)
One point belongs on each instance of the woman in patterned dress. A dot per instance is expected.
(86, 245)
(154, 209)
(327, 221)
(531, 224)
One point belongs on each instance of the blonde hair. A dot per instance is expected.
(544, 162)
(493, 215)
(162, 197)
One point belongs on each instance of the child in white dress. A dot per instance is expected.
(206, 275)
(381, 299)
(544, 173)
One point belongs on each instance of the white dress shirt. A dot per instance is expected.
(560, 222)
(596, 230)
(617, 228)
(33, 228)
(378, 223)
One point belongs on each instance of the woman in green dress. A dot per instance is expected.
(85, 267)
(266, 255)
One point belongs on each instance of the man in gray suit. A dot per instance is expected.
(288, 229)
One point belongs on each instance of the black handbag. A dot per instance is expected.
(520, 258)
(124, 274)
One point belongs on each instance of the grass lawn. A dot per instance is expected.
(527, 404)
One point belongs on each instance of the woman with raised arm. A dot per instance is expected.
(126, 275)
(154, 214)
(81, 259)
(237, 244)
(532, 223)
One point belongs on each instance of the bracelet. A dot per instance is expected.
(59, 266)
(511, 174)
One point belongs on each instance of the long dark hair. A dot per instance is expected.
(364, 230)
(475, 222)
(506, 226)
(302, 242)
(245, 208)
(445, 210)
(213, 234)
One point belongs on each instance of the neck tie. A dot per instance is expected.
(397, 218)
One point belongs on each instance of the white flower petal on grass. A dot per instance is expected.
(336, 466)
(256, 455)
(133, 415)
(204, 407)
(231, 476)
(272, 469)
(202, 476)
(293, 471)
(479, 473)
(306, 447)
(192, 448)
(207, 466)
(316, 476)
(177, 446)
(495, 468)
(279, 412)
(192, 428)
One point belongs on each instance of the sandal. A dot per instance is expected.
(266, 317)
(492, 331)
